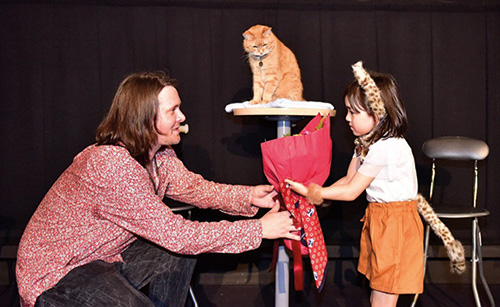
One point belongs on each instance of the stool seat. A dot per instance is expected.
(456, 212)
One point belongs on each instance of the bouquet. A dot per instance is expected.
(304, 158)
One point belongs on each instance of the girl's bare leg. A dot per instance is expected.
(382, 299)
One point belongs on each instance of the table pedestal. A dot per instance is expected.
(282, 284)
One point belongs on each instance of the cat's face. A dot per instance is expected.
(258, 41)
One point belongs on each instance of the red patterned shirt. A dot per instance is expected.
(105, 199)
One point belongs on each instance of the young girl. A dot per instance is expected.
(391, 247)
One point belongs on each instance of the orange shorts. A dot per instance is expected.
(391, 249)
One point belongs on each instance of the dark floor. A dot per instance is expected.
(244, 280)
(335, 295)
(448, 295)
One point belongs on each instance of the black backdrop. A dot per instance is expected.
(61, 62)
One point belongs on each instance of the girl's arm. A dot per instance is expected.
(350, 172)
(348, 191)
(347, 188)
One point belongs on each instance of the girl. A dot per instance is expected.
(391, 247)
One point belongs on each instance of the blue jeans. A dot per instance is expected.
(118, 284)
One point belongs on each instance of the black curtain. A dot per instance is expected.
(61, 62)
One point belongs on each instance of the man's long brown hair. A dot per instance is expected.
(395, 123)
(131, 119)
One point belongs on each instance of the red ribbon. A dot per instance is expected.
(298, 269)
(312, 242)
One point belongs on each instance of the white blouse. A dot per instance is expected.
(391, 163)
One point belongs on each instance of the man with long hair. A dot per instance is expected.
(102, 232)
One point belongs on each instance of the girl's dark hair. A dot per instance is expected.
(131, 119)
(395, 123)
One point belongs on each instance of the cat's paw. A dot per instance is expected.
(253, 101)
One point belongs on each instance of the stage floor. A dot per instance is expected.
(244, 281)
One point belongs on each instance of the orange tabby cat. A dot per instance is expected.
(276, 73)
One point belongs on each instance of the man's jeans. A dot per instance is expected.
(118, 284)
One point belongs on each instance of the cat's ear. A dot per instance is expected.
(247, 35)
(268, 31)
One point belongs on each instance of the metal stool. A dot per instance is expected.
(188, 208)
(459, 148)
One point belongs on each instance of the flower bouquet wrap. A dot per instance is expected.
(304, 158)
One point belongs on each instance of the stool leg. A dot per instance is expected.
(481, 271)
(426, 246)
(474, 262)
(193, 298)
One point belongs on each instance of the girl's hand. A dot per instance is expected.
(298, 188)
(277, 225)
(262, 196)
(311, 193)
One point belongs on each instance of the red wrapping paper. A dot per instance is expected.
(305, 158)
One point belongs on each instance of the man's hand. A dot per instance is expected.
(278, 224)
(262, 196)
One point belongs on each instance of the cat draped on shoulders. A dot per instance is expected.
(276, 73)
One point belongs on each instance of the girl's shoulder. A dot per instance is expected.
(390, 144)
(389, 151)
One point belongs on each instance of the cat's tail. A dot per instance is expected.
(454, 248)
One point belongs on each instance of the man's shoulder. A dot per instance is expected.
(105, 152)
(104, 158)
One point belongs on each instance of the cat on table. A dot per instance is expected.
(276, 73)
